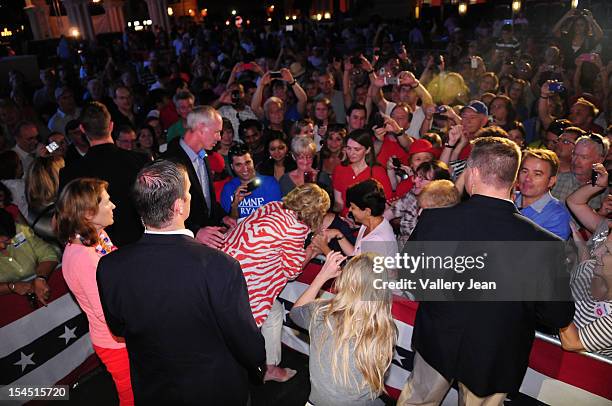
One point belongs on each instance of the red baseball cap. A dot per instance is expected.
(420, 145)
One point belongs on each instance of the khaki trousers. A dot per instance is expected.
(426, 387)
(271, 330)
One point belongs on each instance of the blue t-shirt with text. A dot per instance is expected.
(268, 191)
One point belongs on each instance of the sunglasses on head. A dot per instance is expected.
(239, 149)
(595, 138)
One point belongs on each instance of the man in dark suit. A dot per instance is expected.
(203, 131)
(182, 307)
(118, 167)
(485, 345)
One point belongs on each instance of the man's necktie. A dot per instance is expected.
(203, 175)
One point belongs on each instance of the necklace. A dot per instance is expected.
(104, 246)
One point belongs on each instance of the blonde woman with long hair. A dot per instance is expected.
(352, 336)
(41, 186)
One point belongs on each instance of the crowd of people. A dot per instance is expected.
(181, 191)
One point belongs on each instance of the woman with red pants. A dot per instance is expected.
(84, 209)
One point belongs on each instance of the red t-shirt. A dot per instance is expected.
(404, 187)
(391, 148)
(344, 177)
(465, 152)
(168, 115)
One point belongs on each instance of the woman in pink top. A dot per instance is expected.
(83, 210)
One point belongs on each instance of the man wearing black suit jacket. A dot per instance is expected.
(203, 131)
(118, 167)
(484, 346)
(182, 307)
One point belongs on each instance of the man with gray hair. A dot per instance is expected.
(198, 343)
(484, 345)
(183, 101)
(27, 139)
(590, 149)
(203, 131)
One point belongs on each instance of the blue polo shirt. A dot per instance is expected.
(547, 212)
(268, 191)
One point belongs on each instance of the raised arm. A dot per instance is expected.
(557, 28)
(257, 102)
(346, 83)
(577, 76)
(578, 202)
(597, 31)
(376, 84)
(454, 137)
(427, 74)
(300, 94)
(543, 105)
(330, 270)
(232, 78)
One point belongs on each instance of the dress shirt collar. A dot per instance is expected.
(23, 153)
(181, 231)
(193, 157)
(538, 205)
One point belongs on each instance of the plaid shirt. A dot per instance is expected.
(407, 209)
(568, 184)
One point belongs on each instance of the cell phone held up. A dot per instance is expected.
(473, 62)
(391, 81)
(397, 166)
(252, 185)
(590, 57)
(556, 87)
(594, 177)
(235, 95)
(275, 75)
(52, 147)
(310, 177)
(378, 121)
(439, 113)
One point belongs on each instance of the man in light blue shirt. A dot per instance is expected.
(537, 175)
(236, 198)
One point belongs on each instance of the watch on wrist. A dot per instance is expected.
(447, 145)
(293, 83)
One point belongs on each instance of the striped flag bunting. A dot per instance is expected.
(46, 345)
